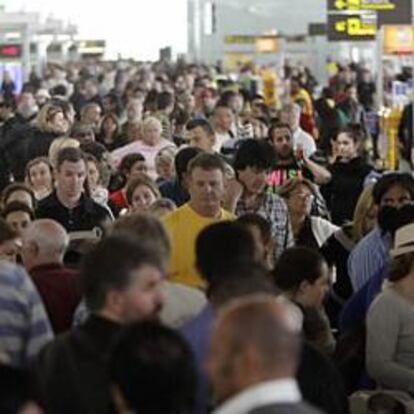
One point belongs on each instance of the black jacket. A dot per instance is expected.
(13, 147)
(320, 382)
(336, 251)
(38, 143)
(6, 158)
(23, 142)
(343, 191)
(71, 373)
(86, 216)
(405, 131)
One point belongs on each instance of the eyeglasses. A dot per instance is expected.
(303, 196)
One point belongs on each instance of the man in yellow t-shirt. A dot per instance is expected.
(206, 188)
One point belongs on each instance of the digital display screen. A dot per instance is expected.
(10, 51)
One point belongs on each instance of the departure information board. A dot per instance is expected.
(352, 20)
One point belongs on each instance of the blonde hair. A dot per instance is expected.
(45, 116)
(151, 120)
(363, 207)
(58, 144)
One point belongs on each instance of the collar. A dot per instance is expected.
(86, 203)
(219, 217)
(96, 336)
(100, 325)
(297, 131)
(378, 233)
(265, 393)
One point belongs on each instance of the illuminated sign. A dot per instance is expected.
(91, 43)
(360, 5)
(240, 40)
(267, 44)
(388, 11)
(12, 51)
(398, 40)
(91, 47)
(352, 27)
(260, 43)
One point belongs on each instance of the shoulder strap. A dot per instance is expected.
(344, 240)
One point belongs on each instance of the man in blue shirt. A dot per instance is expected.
(176, 189)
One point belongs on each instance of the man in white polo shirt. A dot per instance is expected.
(290, 115)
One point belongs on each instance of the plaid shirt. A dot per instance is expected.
(274, 210)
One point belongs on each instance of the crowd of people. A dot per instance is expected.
(173, 243)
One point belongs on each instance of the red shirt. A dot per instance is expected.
(118, 198)
(59, 289)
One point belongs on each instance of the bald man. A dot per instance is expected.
(44, 245)
(254, 357)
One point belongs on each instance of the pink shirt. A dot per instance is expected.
(149, 153)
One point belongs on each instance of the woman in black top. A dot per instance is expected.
(339, 245)
(109, 134)
(348, 174)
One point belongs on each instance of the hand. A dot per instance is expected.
(234, 189)
(233, 193)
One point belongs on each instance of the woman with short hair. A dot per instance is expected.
(152, 142)
(309, 231)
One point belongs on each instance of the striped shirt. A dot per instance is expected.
(24, 325)
(368, 257)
